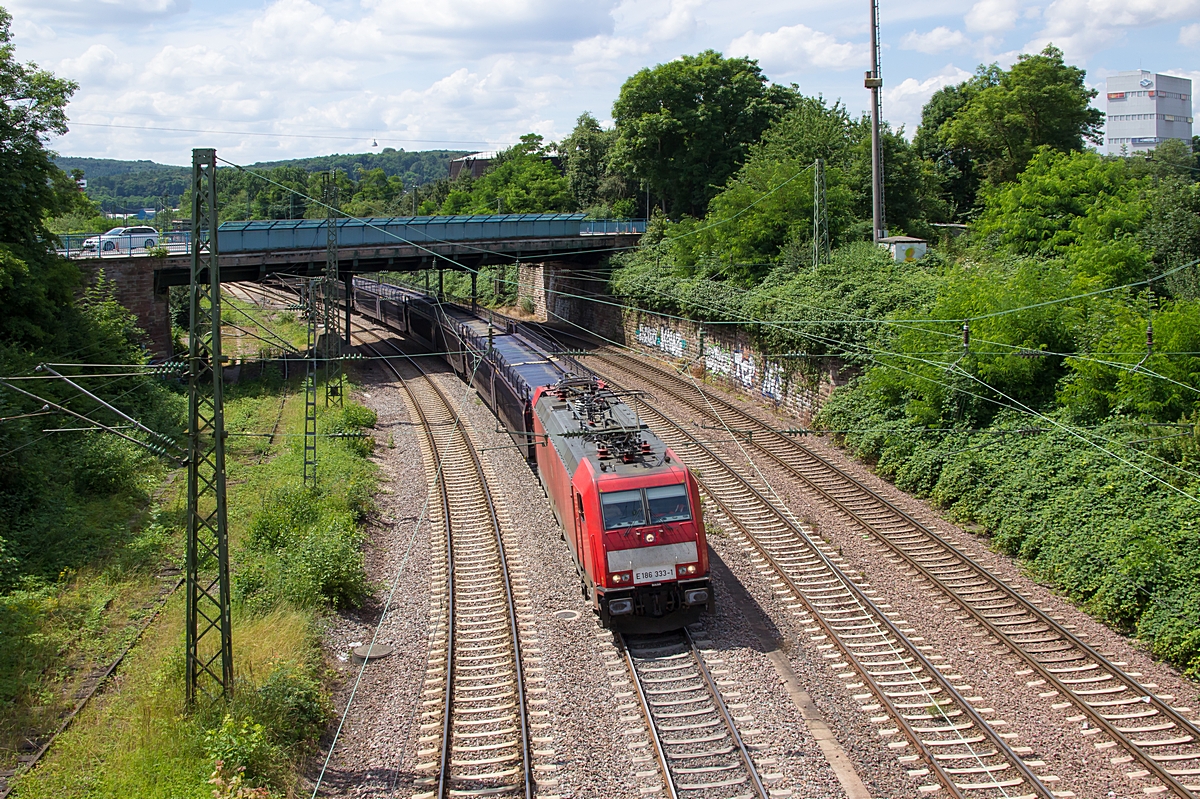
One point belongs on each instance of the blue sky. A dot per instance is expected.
(311, 77)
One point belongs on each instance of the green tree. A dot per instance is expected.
(685, 126)
(34, 283)
(522, 180)
(767, 205)
(912, 194)
(956, 167)
(1040, 102)
(1078, 205)
(597, 184)
(375, 194)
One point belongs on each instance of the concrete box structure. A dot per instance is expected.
(904, 248)
(1146, 109)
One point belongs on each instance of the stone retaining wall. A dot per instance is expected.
(729, 356)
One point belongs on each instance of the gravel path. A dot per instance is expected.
(1054, 734)
(377, 746)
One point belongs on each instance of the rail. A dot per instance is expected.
(933, 714)
(1168, 751)
(684, 688)
(470, 525)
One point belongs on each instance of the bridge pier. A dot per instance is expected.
(133, 286)
(564, 294)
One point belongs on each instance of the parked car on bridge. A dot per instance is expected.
(123, 239)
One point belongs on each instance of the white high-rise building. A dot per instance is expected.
(1145, 109)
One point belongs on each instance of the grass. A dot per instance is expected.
(250, 329)
(135, 739)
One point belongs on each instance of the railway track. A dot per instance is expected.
(475, 724)
(1127, 721)
(918, 706)
(699, 750)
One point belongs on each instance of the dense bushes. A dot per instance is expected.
(303, 546)
(1062, 421)
(830, 310)
(1111, 538)
(67, 497)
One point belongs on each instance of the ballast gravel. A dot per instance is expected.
(991, 670)
(594, 757)
(377, 745)
(586, 754)
(582, 745)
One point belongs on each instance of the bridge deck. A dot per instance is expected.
(175, 270)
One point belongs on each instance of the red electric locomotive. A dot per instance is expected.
(629, 509)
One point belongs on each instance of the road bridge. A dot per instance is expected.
(544, 245)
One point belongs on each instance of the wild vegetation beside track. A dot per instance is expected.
(1066, 429)
(296, 555)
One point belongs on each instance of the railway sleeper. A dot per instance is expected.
(697, 755)
(990, 786)
(721, 736)
(686, 714)
(714, 722)
(489, 761)
(495, 775)
(980, 769)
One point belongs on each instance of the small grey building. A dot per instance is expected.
(1146, 109)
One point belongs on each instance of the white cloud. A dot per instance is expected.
(903, 102)
(1189, 35)
(800, 47)
(937, 40)
(456, 72)
(98, 65)
(104, 13)
(1080, 28)
(993, 16)
(507, 21)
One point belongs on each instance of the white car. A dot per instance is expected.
(123, 239)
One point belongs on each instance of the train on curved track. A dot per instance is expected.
(629, 509)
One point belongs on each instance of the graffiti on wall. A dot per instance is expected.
(731, 364)
(773, 381)
(738, 365)
(669, 341)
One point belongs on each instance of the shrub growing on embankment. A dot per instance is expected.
(292, 561)
(1059, 428)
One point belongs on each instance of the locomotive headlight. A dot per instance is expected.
(649, 538)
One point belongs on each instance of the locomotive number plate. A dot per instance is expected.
(653, 574)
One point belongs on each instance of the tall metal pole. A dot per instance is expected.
(820, 215)
(209, 668)
(308, 301)
(874, 82)
(329, 288)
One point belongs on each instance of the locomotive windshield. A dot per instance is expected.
(623, 509)
(629, 508)
(668, 504)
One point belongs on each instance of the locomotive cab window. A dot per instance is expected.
(623, 509)
(668, 504)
